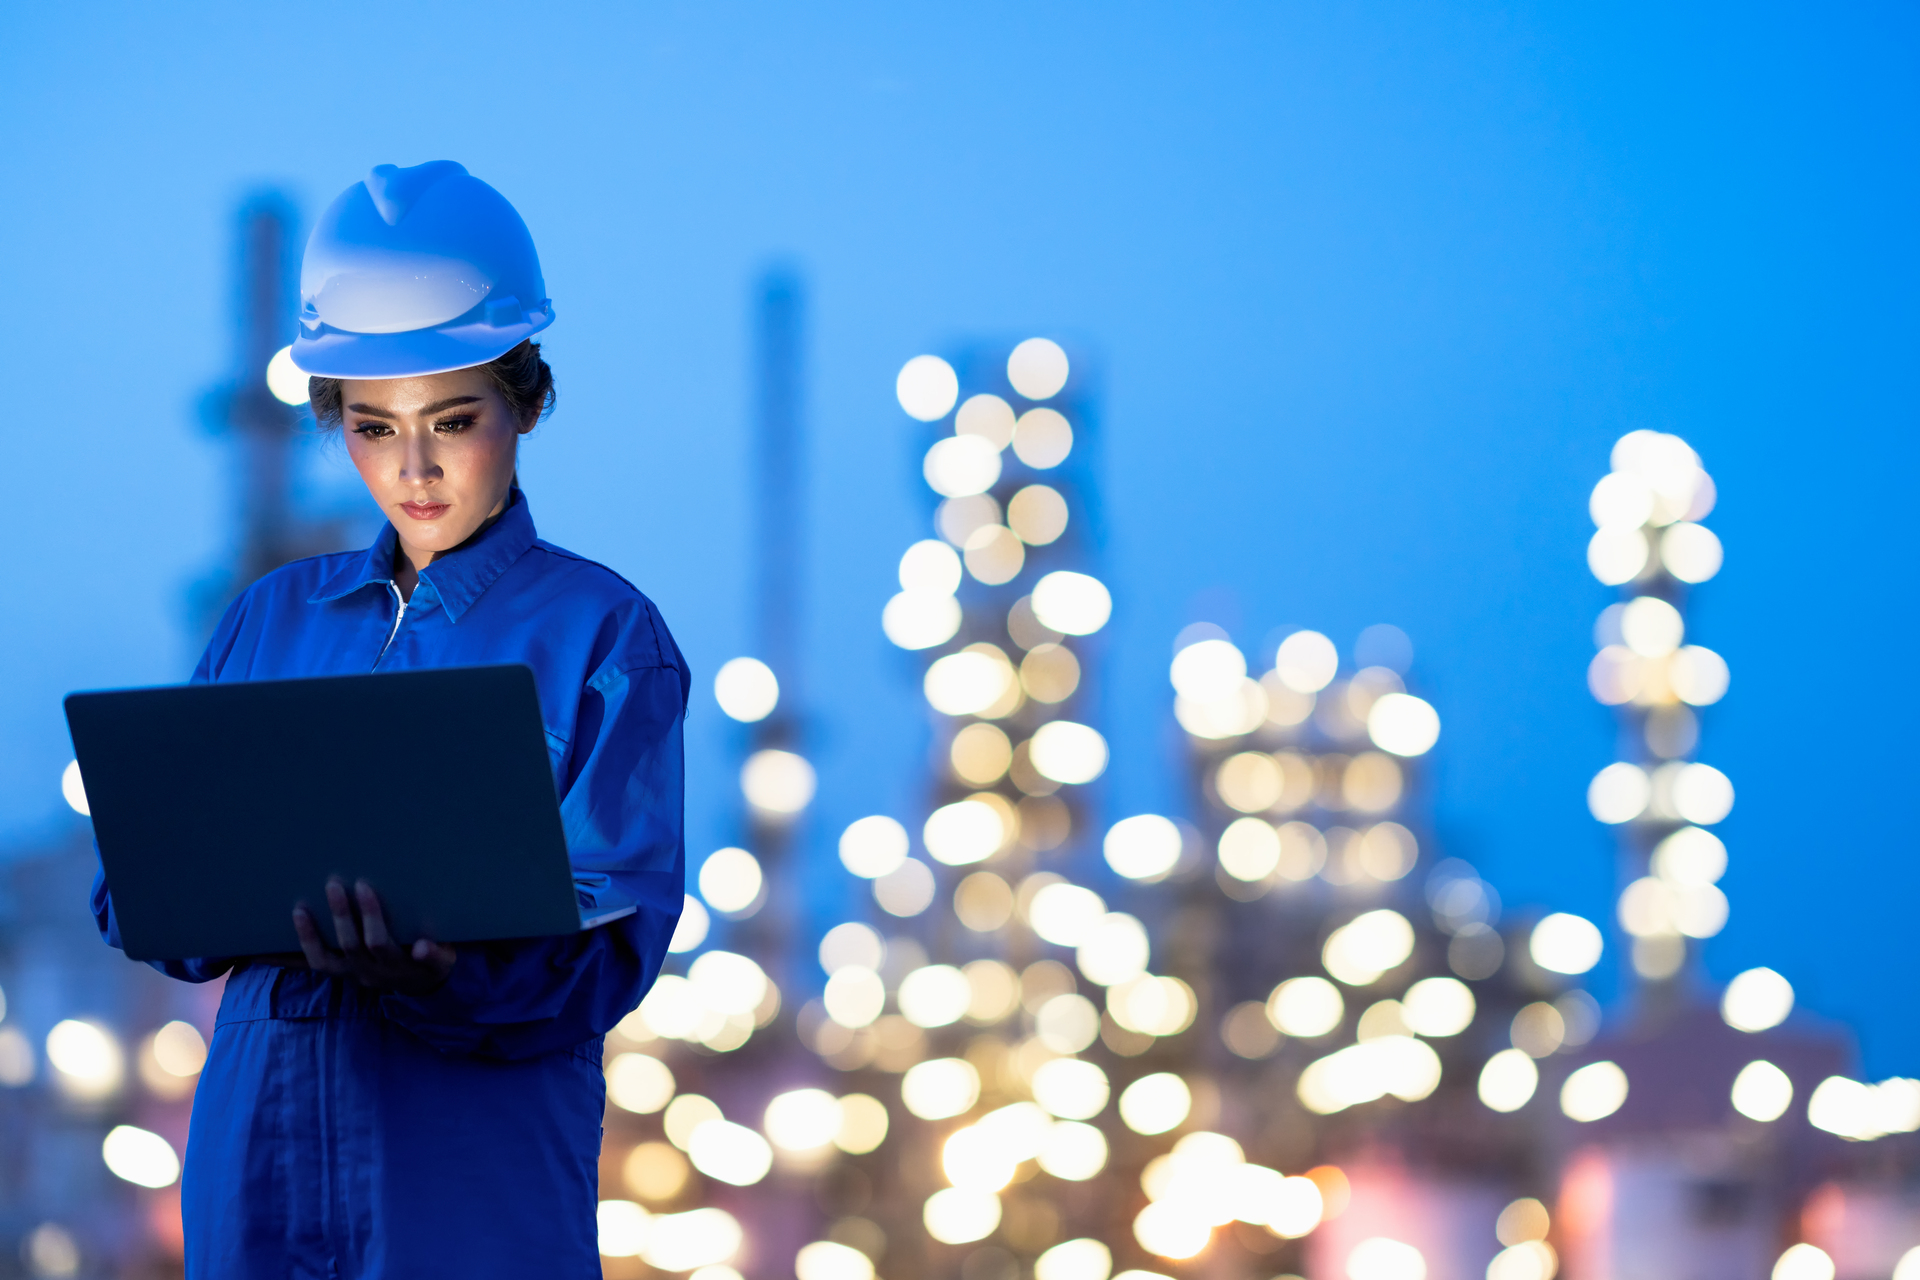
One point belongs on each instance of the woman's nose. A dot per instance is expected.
(418, 466)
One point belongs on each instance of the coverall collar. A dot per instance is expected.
(459, 577)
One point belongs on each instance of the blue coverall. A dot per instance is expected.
(348, 1133)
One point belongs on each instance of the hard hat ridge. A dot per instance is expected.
(395, 189)
(414, 271)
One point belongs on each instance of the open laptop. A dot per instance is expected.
(218, 807)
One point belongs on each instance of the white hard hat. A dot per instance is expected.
(417, 271)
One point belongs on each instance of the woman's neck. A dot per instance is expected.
(409, 561)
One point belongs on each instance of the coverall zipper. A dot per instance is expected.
(399, 616)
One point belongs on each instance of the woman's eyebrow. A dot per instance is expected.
(448, 403)
(374, 411)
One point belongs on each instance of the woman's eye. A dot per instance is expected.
(373, 430)
(452, 425)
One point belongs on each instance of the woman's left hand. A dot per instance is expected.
(367, 953)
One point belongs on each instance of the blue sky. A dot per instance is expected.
(1373, 288)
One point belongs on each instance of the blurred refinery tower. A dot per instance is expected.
(99, 1057)
(260, 411)
(1373, 1025)
(1710, 1137)
(688, 1182)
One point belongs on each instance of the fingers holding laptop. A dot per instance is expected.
(367, 951)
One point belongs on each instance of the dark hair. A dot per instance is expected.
(521, 376)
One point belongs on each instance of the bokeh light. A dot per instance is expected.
(73, 790)
(1082, 1259)
(863, 1124)
(935, 995)
(873, 846)
(926, 388)
(1403, 724)
(1143, 847)
(778, 783)
(1690, 552)
(1306, 1007)
(961, 466)
(1038, 514)
(140, 1156)
(1363, 949)
(829, 1260)
(1593, 1092)
(1619, 793)
(730, 880)
(1438, 1007)
(692, 928)
(994, 554)
(1208, 670)
(1073, 1151)
(1306, 662)
(1803, 1262)
(802, 1119)
(1756, 1000)
(960, 1215)
(1042, 439)
(940, 1088)
(1651, 627)
(639, 1082)
(286, 380)
(1249, 849)
(854, 996)
(1067, 752)
(1381, 1258)
(746, 689)
(920, 619)
(1155, 1103)
(1563, 943)
(89, 1061)
(964, 832)
(1065, 914)
(1037, 369)
(907, 890)
(1049, 673)
(930, 566)
(729, 1152)
(1073, 604)
(1508, 1080)
(986, 416)
(1762, 1091)
(1617, 554)
(1070, 1088)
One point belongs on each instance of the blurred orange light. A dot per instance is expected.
(1336, 1192)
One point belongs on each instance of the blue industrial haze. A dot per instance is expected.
(1375, 288)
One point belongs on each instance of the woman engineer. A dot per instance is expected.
(368, 1111)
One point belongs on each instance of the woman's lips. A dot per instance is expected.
(425, 510)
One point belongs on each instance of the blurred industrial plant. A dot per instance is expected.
(1285, 1032)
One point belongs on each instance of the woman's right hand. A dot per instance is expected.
(368, 954)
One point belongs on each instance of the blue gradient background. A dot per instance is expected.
(1375, 287)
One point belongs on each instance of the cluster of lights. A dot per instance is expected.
(1205, 1182)
(1373, 724)
(979, 538)
(1252, 745)
(89, 1067)
(1649, 542)
(1004, 1110)
(719, 1003)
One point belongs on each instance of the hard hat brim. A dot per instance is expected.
(334, 353)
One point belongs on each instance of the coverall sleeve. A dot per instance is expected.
(622, 811)
(203, 970)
